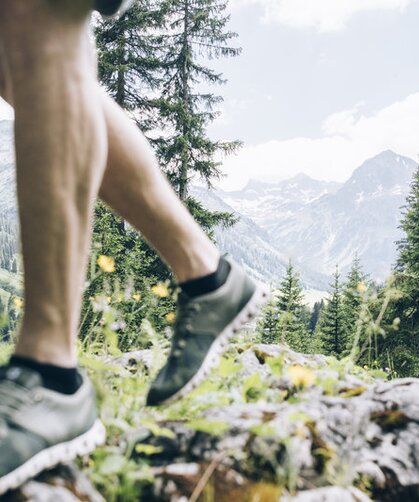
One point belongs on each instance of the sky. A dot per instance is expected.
(321, 85)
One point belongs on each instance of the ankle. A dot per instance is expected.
(197, 266)
(46, 350)
(56, 378)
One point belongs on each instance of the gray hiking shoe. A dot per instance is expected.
(203, 329)
(110, 8)
(40, 428)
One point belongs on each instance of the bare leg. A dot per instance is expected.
(135, 187)
(61, 149)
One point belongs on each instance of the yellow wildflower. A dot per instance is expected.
(136, 297)
(170, 317)
(361, 288)
(106, 263)
(300, 376)
(18, 302)
(160, 290)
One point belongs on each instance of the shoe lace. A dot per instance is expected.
(186, 311)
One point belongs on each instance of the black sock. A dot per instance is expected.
(57, 378)
(208, 283)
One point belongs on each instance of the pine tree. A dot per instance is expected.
(401, 347)
(194, 29)
(352, 299)
(332, 322)
(408, 263)
(268, 326)
(292, 312)
(150, 61)
(128, 56)
(315, 315)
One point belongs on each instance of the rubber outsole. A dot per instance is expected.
(260, 297)
(50, 457)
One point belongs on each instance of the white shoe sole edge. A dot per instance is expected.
(259, 299)
(50, 457)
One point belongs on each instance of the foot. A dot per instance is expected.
(40, 428)
(204, 326)
(111, 8)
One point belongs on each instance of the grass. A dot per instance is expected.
(121, 395)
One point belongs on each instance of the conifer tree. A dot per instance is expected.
(352, 299)
(269, 327)
(291, 309)
(408, 263)
(150, 61)
(332, 322)
(4, 324)
(194, 29)
(402, 346)
(315, 315)
(128, 55)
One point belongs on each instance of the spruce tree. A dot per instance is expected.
(128, 56)
(268, 326)
(401, 347)
(315, 315)
(292, 311)
(408, 262)
(151, 62)
(352, 299)
(194, 29)
(333, 336)
(4, 322)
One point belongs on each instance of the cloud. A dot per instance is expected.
(6, 111)
(323, 15)
(348, 138)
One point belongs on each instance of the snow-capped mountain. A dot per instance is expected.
(328, 224)
(250, 245)
(266, 203)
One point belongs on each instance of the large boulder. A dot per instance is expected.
(330, 428)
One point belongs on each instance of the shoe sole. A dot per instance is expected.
(260, 297)
(50, 457)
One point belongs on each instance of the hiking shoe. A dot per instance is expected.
(204, 326)
(110, 8)
(40, 428)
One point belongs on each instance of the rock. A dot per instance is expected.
(132, 360)
(62, 484)
(188, 482)
(329, 494)
(357, 431)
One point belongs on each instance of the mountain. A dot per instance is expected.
(266, 203)
(251, 245)
(320, 225)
